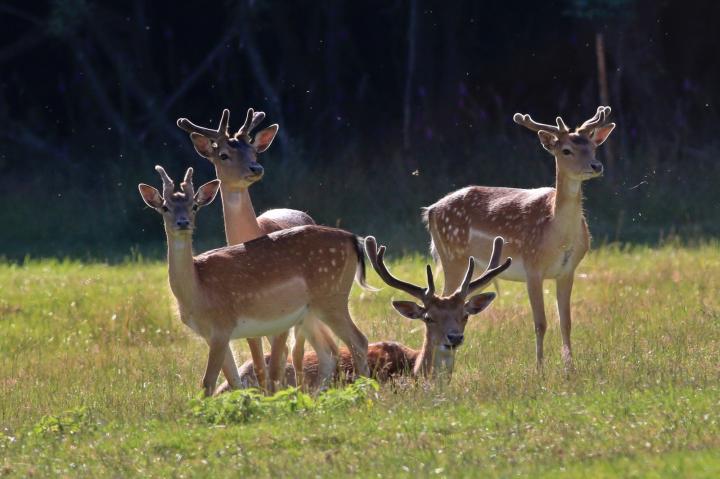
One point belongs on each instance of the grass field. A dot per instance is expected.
(644, 401)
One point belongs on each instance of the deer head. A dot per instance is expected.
(574, 151)
(445, 317)
(234, 157)
(178, 209)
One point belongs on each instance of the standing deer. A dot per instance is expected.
(236, 166)
(262, 287)
(444, 317)
(545, 228)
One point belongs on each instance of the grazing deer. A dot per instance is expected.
(545, 228)
(236, 166)
(261, 287)
(445, 318)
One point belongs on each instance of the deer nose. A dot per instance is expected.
(597, 167)
(256, 169)
(455, 339)
(183, 223)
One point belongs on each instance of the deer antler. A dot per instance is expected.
(220, 133)
(168, 185)
(599, 119)
(186, 186)
(529, 123)
(492, 269)
(376, 256)
(252, 120)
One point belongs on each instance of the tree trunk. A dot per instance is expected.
(604, 96)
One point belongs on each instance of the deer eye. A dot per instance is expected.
(566, 151)
(224, 156)
(428, 319)
(195, 207)
(165, 208)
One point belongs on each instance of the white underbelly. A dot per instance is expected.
(248, 327)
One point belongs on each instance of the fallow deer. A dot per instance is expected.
(444, 317)
(261, 287)
(545, 228)
(237, 167)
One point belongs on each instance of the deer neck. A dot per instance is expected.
(241, 224)
(181, 267)
(567, 209)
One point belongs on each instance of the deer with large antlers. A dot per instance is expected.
(444, 318)
(261, 287)
(545, 228)
(235, 160)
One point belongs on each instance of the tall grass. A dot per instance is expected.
(98, 347)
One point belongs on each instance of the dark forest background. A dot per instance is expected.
(384, 106)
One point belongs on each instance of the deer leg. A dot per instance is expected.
(322, 341)
(454, 273)
(230, 371)
(564, 292)
(340, 322)
(218, 351)
(278, 359)
(258, 358)
(298, 355)
(535, 292)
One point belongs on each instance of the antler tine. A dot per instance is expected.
(530, 124)
(245, 128)
(492, 269)
(376, 256)
(561, 125)
(221, 132)
(252, 120)
(168, 185)
(258, 117)
(224, 121)
(431, 282)
(186, 186)
(465, 285)
(598, 119)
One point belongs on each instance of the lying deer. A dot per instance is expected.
(262, 287)
(235, 160)
(545, 228)
(444, 317)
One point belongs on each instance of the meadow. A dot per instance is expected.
(98, 377)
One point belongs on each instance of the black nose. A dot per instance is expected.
(455, 339)
(256, 169)
(183, 223)
(597, 167)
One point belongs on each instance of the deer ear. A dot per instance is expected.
(479, 303)
(264, 138)
(151, 196)
(409, 309)
(599, 135)
(206, 193)
(549, 141)
(202, 144)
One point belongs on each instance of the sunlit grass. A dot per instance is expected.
(645, 399)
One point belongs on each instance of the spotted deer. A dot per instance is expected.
(444, 318)
(260, 287)
(236, 165)
(545, 228)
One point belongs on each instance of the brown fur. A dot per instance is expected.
(387, 360)
(545, 229)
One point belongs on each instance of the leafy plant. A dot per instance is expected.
(245, 405)
(71, 422)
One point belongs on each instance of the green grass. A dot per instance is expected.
(97, 349)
